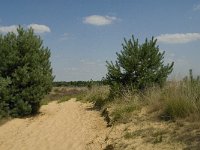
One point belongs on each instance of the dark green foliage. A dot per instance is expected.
(78, 83)
(25, 72)
(138, 66)
(4, 96)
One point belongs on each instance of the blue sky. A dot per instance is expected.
(83, 34)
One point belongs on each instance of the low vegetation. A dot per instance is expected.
(127, 94)
(98, 95)
(177, 99)
(62, 94)
(139, 92)
(157, 115)
(135, 89)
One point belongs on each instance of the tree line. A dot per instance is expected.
(78, 83)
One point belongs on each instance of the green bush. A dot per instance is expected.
(25, 72)
(138, 66)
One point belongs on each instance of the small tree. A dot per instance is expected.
(25, 72)
(138, 66)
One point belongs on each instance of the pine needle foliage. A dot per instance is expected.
(25, 73)
(138, 66)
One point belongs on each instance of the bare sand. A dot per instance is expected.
(74, 125)
(69, 125)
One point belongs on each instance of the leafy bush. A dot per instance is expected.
(25, 72)
(138, 66)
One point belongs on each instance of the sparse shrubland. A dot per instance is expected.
(176, 99)
(140, 94)
(154, 116)
(156, 107)
(135, 89)
(138, 79)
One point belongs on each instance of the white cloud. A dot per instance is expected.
(98, 20)
(178, 38)
(196, 7)
(39, 28)
(6, 29)
(36, 27)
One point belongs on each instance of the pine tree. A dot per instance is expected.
(25, 70)
(137, 66)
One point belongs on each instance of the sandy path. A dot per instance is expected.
(65, 126)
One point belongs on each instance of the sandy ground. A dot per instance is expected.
(74, 125)
(69, 125)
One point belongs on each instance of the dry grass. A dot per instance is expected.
(98, 95)
(175, 100)
(123, 108)
(62, 94)
(142, 116)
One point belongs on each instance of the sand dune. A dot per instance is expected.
(64, 126)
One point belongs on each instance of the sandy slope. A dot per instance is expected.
(64, 126)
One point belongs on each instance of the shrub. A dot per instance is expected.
(138, 66)
(98, 95)
(25, 72)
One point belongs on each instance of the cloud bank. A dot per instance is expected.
(36, 27)
(178, 38)
(98, 20)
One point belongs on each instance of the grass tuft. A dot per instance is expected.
(98, 95)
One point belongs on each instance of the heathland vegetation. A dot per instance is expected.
(134, 90)
(139, 78)
(137, 95)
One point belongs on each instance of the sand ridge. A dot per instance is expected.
(69, 125)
